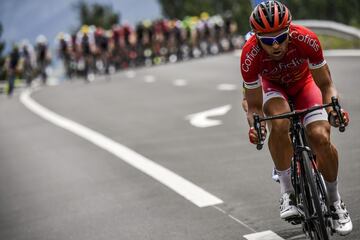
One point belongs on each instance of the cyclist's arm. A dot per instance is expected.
(244, 102)
(254, 101)
(322, 78)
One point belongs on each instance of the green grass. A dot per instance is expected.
(331, 42)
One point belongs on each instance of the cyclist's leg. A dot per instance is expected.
(326, 153)
(318, 130)
(279, 141)
(327, 160)
(11, 82)
(280, 148)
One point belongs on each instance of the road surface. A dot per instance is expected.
(154, 132)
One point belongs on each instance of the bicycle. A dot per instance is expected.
(310, 191)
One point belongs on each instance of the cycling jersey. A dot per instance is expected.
(41, 52)
(290, 76)
(14, 59)
(304, 53)
(85, 45)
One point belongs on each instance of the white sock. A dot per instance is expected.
(285, 181)
(333, 193)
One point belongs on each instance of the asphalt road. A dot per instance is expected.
(57, 185)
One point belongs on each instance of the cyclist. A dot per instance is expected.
(85, 41)
(43, 57)
(28, 59)
(64, 52)
(102, 56)
(12, 67)
(284, 61)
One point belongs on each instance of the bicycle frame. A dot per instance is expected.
(303, 157)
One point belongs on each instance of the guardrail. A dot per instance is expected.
(331, 28)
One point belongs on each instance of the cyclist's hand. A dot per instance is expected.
(334, 119)
(253, 136)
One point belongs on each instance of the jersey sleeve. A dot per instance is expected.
(249, 66)
(311, 46)
(316, 59)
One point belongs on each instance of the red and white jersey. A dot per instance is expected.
(304, 53)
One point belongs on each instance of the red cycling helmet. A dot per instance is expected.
(270, 16)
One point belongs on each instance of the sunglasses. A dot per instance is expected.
(277, 39)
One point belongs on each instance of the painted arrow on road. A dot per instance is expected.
(202, 120)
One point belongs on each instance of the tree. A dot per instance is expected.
(240, 9)
(346, 12)
(96, 14)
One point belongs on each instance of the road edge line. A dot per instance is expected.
(180, 185)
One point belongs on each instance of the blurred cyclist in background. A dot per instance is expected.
(28, 61)
(102, 52)
(43, 57)
(64, 52)
(145, 33)
(86, 42)
(11, 66)
(96, 50)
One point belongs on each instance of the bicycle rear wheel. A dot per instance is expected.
(315, 223)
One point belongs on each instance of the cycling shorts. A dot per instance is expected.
(304, 95)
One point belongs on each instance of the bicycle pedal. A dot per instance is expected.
(296, 220)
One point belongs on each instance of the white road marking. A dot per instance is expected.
(202, 120)
(241, 222)
(130, 74)
(227, 87)
(149, 79)
(266, 235)
(235, 219)
(180, 82)
(219, 209)
(298, 237)
(185, 188)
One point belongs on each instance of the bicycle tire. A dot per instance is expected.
(320, 184)
(304, 203)
(318, 221)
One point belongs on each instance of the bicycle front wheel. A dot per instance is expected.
(316, 223)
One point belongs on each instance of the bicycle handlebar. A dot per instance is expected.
(334, 104)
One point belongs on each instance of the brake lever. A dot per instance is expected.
(337, 108)
(257, 127)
